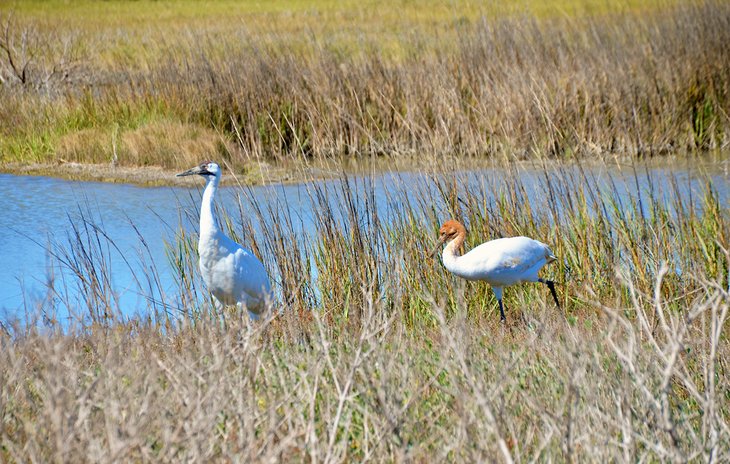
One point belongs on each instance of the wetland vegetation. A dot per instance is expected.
(374, 351)
(170, 83)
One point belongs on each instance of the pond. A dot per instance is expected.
(42, 214)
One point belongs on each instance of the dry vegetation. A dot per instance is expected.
(572, 80)
(652, 388)
(382, 355)
(373, 351)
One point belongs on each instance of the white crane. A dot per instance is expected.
(500, 263)
(232, 274)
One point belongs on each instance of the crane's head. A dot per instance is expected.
(205, 169)
(450, 230)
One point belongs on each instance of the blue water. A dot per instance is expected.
(40, 213)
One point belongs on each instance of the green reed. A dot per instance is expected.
(600, 231)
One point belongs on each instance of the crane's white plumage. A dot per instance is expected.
(232, 274)
(500, 263)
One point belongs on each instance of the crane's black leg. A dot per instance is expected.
(498, 294)
(551, 286)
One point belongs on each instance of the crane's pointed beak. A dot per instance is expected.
(193, 171)
(436, 249)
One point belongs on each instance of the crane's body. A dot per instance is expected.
(232, 274)
(500, 263)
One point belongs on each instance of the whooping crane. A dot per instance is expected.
(500, 263)
(232, 274)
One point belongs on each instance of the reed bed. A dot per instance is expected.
(618, 82)
(374, 352)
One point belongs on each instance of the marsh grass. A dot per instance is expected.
(627, 82)
(375, 352)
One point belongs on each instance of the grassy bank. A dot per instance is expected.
(168, 84)
(456, 393)
(381, 354)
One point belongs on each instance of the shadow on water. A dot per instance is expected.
(91, 250)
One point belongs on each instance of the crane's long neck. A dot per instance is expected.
(451, 256)
(208, 224)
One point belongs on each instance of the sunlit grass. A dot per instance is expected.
(138, 33)
(382, 354)
(362, 14)
(317, 81)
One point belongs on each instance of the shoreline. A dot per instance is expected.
(150, 176)
(264, 173)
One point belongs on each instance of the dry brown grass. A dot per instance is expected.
(622, 83)
(651, 386)
(167, 144)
